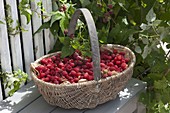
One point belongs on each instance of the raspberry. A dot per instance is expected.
(102, 65)
(73, 73)
(76, 80)
(119, 57)
(66, 31)
(110, 6)
(77, 69)
(68, 68)
(74, 68)
(115, 51)
(64, 73)
(123, 66)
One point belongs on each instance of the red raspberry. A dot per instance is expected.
(110, 6)
(44, 61)
(123, 66)
(112, 68)
(119, 57)
(65, 31)
(127, 60)
(64, 73)
(56, 82)
(118, 62)
(89, 65)
(90, 78)
(110, 73)
(68, 68)
(110, 64)
(77, 69)
(102, 65)
(73, 73)
(115, 51)
(113, 56)
(76, 80)
(72, 64)
(42, 75)
(104, 75)
(122, 53)
(60, 65)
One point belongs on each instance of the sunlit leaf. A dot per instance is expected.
(146, 51)
(138, 49)
(85, 2)
(144, 26)
(151, 16)
(57, 16)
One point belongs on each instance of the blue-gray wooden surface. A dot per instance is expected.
(29, 100)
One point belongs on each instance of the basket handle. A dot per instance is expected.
(93, 38)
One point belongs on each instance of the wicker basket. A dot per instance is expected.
(91, 93)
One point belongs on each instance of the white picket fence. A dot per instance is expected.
(18, 51)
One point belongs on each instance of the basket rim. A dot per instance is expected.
(131, 65)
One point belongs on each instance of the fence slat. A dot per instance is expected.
(15, 39)
(37, 22)
(27, 43)
(4, 45)
(49, 39)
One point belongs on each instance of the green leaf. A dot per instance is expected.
(138, 49)
(66, 51)
(27, 15)
(65, 40)
(45, 25)
(154, 76)
(64, 22)
(56, 16)
(75, 43)
(161, 84)
(146, 51)
(55, 6)
(145, 40)
(144, 26)
(84, 3)
(151, 16)
(1, 22)
(54, 28)
(63, 1)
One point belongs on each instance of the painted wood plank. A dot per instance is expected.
(130, 106)
(23, 97)
(28, 100)
(15, 39)
(132, 89)
(38, 106)
(27, 38)
(61, 110)
(44, 107)
(49, 39)
(4, 45)
(37, 22)
(5, 53)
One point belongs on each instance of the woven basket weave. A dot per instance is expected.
(91, 93)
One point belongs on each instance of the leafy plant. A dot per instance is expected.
(14, 80)
(141, 25)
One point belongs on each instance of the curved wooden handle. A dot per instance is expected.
(93, 38)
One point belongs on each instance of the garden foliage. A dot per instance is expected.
(141, 25)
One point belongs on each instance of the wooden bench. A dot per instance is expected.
(29, 100)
